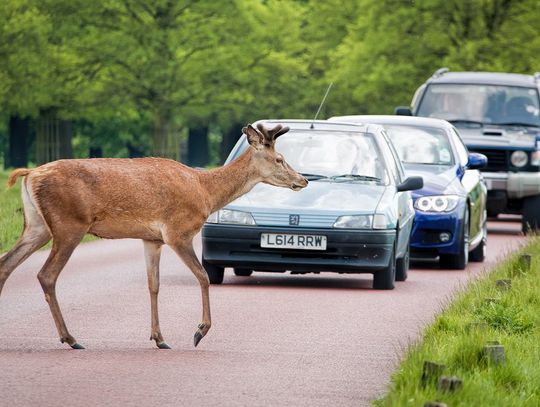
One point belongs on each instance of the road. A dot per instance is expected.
(276, 340)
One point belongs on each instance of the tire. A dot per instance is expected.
(215, 273)
(402, 266)
(458, 261)
(384, 280)
(479, 253)
(530, 222)
(243, 272)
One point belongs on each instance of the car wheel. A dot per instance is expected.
(530, 221)
(215, 273)
(384, 279)
(458, 261)
(402, 266)
(479, 253)
(243, 272)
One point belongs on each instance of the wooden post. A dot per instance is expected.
(525, 262)
(431, 372)
(494, 352)
(435, 404)
(504, 284)
(450, 383)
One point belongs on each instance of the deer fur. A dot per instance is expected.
(157, 200)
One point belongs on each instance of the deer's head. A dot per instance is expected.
(271, 165)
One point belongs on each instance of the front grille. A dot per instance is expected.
(498, 160)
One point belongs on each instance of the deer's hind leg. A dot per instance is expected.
(152, 254)
(35, 235)
(62, 249)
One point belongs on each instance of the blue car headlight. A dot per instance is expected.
(437, 203)
(231, 217)
(354, 222)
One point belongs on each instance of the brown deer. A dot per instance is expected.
(157, 200)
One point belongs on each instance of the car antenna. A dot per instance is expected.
(321, 105)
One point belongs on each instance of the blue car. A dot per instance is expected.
(355, 216)
(451, 216)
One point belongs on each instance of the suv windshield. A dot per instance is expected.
(342, 155)
(421, 145)
(478, 104)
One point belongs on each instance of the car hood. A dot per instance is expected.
(500, 136)
(437, 178)
(318, 196)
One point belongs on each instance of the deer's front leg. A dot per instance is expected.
(152, 254)
(187, 254)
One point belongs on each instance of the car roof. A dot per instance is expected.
(305, 124)
(486, 78)
(394, 119)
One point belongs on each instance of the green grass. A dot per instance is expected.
(11, 215)
(511, 317)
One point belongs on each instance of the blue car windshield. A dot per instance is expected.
(346, 156)
(421, 145)
(481, 104)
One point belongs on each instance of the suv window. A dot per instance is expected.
(481, 103)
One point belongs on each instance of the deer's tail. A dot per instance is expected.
(20, 172)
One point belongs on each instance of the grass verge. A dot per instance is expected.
(483, 312)
(11, 215)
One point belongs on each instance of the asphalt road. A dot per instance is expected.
(276, 340)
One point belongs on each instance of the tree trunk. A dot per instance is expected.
(95, 152)
(229, 139)
(19, 134)
(165, 139)
(53, 138)
(198, 153)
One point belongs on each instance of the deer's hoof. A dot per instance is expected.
(163, 345)
(197, 338)
(77, 346)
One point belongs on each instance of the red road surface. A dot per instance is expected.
(276, 340)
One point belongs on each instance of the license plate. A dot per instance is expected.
(285, 241)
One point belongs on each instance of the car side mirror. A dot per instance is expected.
(477, 161)
(411, 184)
(403, 111)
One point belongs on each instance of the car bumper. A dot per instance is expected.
(516, 184)
(347, 251)
(427, 229)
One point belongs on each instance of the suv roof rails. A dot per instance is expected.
(440, 72)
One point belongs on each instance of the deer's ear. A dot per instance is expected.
(253, 136)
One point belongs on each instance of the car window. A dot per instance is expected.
(395, 158)
(462, 152)
(421, 145)
(481, 103)
(332, 153)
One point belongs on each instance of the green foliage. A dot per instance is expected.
(480, 314)
(141, 71)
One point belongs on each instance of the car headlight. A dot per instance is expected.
(231, 217)
(354, 222)
(439, 203)
(519, 158)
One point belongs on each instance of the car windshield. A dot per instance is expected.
(421, 145)
(481, 104)
(342, 156)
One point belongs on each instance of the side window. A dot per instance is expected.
(401, 170)
(463, 154)
(390, 158)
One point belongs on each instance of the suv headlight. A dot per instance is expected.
(437, 203)
(519, 158)
(354, 222)
(231, 217)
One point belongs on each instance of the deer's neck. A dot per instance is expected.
(229, 182)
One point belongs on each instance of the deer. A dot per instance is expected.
(157, 200)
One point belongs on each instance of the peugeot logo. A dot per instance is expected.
(294, 220)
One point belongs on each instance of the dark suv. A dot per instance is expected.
(498, 115)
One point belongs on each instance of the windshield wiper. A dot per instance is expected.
(356, 177)
(516, 124)
(313, 177)
(465, 121)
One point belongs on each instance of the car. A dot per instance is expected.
(355, 216)
(451, 216)
(498, 115)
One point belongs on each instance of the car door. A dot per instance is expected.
(474, 186)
